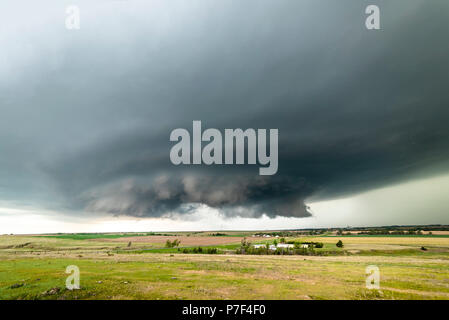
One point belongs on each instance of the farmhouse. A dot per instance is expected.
(274, 247)
(285, 245)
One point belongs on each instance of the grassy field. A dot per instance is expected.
(33, 267)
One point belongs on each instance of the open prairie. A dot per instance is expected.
(34, 267)
(185, 240)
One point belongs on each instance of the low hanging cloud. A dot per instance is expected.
(174, 196)
(86, 115)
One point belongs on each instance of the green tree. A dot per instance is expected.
(168, 243)
(339, 244)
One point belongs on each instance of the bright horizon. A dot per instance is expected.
(338, 213)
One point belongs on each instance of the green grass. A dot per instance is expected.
(221, 248)
(158, 276)
(30, 267)
(88, 236)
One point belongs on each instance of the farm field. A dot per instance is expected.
(128, 266)
(185, 240)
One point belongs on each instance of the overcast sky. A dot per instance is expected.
(86, 114)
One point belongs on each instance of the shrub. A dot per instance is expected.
(319, 245)
(212, 251)
(339, 244)
(200, 250)
(172, 244)
(245, 245)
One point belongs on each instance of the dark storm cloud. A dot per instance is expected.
(240, 196)
(86, 115)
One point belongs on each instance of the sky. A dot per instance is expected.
(86, 114)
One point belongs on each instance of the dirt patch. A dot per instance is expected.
(438, 233)
(185, 241)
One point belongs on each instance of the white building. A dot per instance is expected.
(273, 247)
(305, 246)
(286, 245)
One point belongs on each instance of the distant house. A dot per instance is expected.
(305, 246)
(273, 247)
(286, 245)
